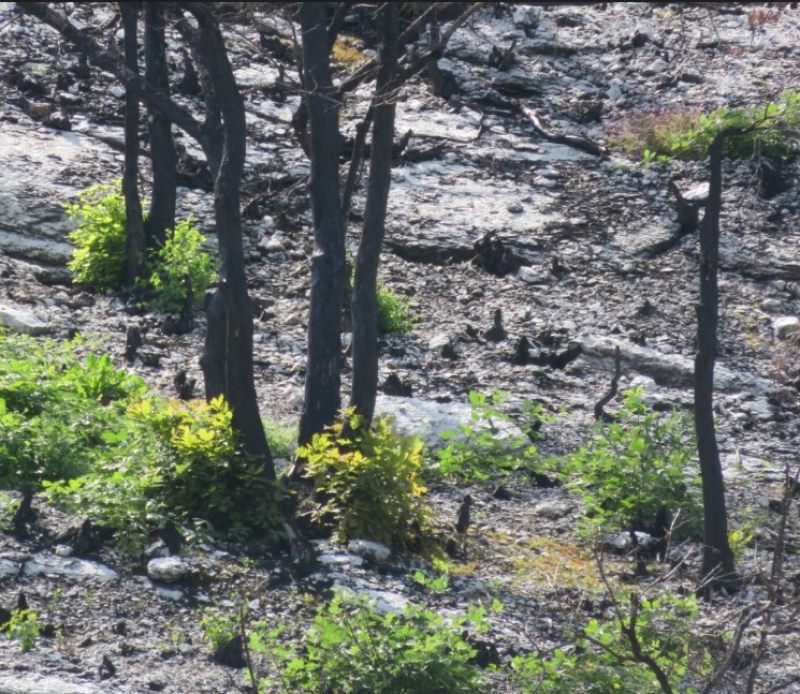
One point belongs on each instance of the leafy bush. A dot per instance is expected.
(220, 628)
(632, 473)
(368, 486)
(100, 238)
(680, 133)
(180, 269)
(282, 438)
(23, 627)
(603, 659)
(394, 312)
(353, 649)
(177, 270)
(488, 447)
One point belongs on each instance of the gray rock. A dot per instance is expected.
(785, 326)
(22, 321)
(374, 551)
(554, 509)
(32, 684)
(622, 541)
(771, 305)
(68, 567)
(168, 569)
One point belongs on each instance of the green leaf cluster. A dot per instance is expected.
(632, 473)
(86, 433)
(100, 237)
(23, 627)
(681, 133)
(394, 312)
(369, 484)
(351, 648)
(486, 448)
(180, 270)
(603, 660)
(175, 272)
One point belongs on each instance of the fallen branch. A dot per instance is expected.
(576, 141)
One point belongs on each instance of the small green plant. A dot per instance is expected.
(368, 486)
(351, 648)
(220, 628)
(100, 237)
(181, 270)
(632, 473)
(681, 133)
(394, 312)
(282, 438)
(491, 445)
(649, 647)
(23, 627)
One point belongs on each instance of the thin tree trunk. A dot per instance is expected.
(718, 562)
(328, 267)
(228, 361)
(134, 225)
(162, 146)
(365, 294)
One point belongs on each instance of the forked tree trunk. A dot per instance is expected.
(328, 267)
(718, 563)
(161, 215)
(365, 294)
(134, 225)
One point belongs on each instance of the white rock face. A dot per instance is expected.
(22, 321)
(785, 326)
(68, 567)
(369, 550)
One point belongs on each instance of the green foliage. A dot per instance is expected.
(353, 649)
(282, 438)
(23, 627)
(100, 238)
(488, 447)
(680, 133)
(177, 270)
(370, 485)
(220, 628)
(632, 473)
(180, 269)
(394, 312)
(603, 659)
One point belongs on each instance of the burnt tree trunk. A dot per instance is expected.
(718, 563)
(328, 267)
(134, 225)
(227, 360)
(162, 146)
(365, 294)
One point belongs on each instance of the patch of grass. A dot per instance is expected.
(394, 312)
(282, 438)
(347, 52)
(686, 133)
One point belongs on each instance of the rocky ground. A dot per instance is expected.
(600, 266)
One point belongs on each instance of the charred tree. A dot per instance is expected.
(328, 266)
(365, 293)
(227, 361)
(134, 232)
(718, 562)
(162, 146)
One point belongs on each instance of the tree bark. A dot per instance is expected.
(365, 294)
(134, 225)
(162, 146)
(228, 364)
(718, 562)
(328, 267)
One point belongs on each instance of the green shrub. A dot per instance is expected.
(353, 649)
(488, 447)
(632, 473)
(100, 238)
(603, 660)
(369, 486)
(220, 628)
(394, 312)
(282, 438)
(179, 269)
(679, 133)
(23, 627)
